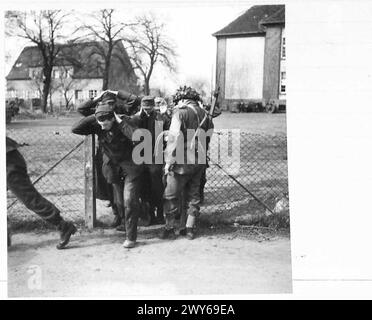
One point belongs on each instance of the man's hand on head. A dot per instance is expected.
(117, 118)
(99, 97)
(113, 92)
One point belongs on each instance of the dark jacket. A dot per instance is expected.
(156, 123)
(11, 145)
(116, 143)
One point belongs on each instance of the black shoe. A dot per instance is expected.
(183, 232)
(67, 229)
(121, 227)
(153, 221)
(116, 222)
(190, 233)
(160, 220)
(168, 234)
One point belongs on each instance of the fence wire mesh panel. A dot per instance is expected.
(247, 173)
(56, 160)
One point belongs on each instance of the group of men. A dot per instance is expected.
(156, 156)
(163, 173)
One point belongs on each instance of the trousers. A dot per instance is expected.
(132, 187)
(189, 184)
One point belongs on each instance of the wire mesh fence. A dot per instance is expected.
(252, 181)
(56, 160)
(247, 172)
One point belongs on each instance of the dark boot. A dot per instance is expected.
(168, 234)
(116, 222)
(190, 233)
(153, 220)
(66, 229)
(121, 227)
(160, 220)
(120, 219)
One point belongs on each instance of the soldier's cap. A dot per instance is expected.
(104, 109)
(108, 97)
(148, 101)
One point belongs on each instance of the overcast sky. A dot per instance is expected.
(189, 24)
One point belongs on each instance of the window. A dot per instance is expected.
(78, 94)
(92, 93)
(56, 74)
(34, 73)
(69, 72)
(283, 48)
(283, 76)
(12, 94)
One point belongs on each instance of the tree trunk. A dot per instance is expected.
(51, 103)
(46, 89)
(105, 80)
(44, 99)
(67, 101)
(106, 72)
(147, 87)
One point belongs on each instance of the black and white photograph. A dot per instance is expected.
(146, 151)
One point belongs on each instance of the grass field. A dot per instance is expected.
(263, 167)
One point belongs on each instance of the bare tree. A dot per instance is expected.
(148, 46)
(45, 29)
(64, 83)
(108, 33)
(200, 84)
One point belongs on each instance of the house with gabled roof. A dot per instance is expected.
(251, 56)
(76, 76)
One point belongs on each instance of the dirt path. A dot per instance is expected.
(97, 265)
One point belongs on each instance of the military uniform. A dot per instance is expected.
(186, 172)
(109, 184)
(155, 123)
(18, 181)
(117, 145)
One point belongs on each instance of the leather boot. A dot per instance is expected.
(66, 229)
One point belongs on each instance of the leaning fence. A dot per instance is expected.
(247, 173)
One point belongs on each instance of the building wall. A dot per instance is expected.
(22, 89)
(221, 70)
(27, 90)
(244, 67)
(84, 86)
(283, 72)
(271, 77)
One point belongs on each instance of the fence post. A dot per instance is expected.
(89, 182)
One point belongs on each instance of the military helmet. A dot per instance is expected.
(186, 93)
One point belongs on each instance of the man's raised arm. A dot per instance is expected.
(85, 126)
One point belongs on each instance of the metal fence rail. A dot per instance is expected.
(252, 184)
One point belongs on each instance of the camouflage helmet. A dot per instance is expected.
(186, 93)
